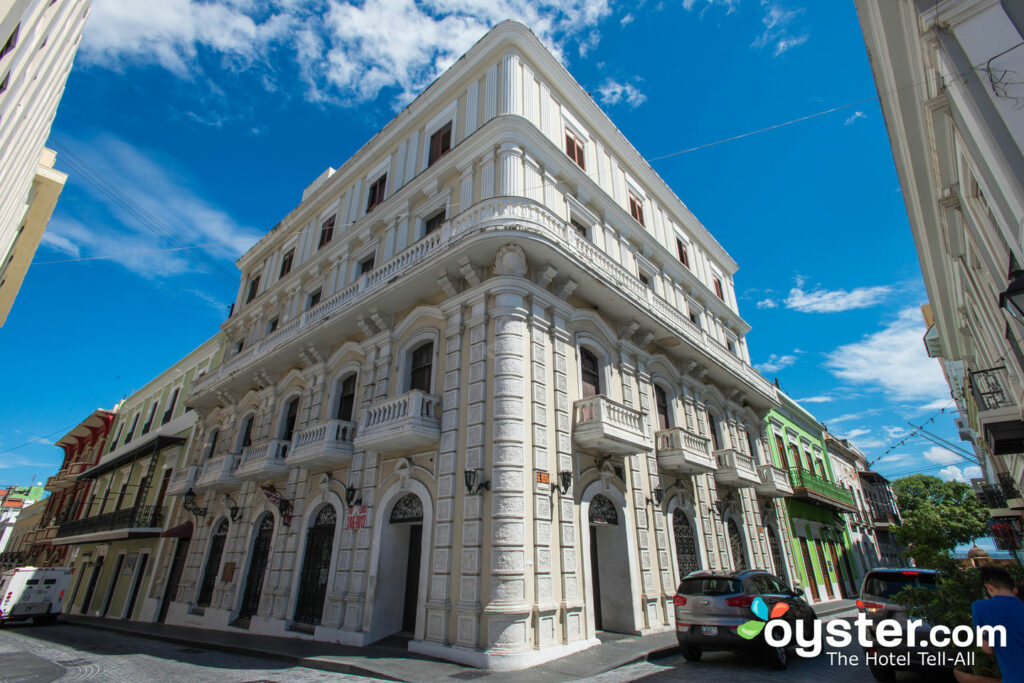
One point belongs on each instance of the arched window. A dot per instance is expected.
(316, 564)
(421, 365)
(780, 446)
(713, 428)
(291, 413)
(778, 561)
(590, 373)
(687, 554)
(257, 567)
(794, 452)
(211, 446)
(661, 404)
(739, 556)
(245, 437)
(751, 448)
(212, 564)
(346, 398)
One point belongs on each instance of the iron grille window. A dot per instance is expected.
(574, 148)
(212, 564)
(376, 193)
(687, 556)
(286, 263)
(440, 143)
(316, 564)
(257, 568)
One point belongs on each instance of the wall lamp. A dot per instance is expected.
(189, 503)
(473, 486)
(563, 483)
(232, 507)
(352, 496)
(657, 495)
(719, 507)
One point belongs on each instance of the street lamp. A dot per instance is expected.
(189, 503)
(352, 496)
(658, 496)
(563, 483)
(473, 486)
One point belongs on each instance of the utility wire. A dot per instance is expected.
(38, 439)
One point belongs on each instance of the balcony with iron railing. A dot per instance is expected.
(264, 461)
(218, 473)
(991, 391)
(998, 497)
(483, 217)
(681, 451)
(139, 520)
(325, 446)
(409, 421)
(810, 486)
(883, 518)
(774, 482)
(735, 469)
(603, 425)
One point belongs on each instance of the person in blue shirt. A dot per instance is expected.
(1003, 608)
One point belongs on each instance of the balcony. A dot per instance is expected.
(883, 519)
(66, 477)
(1000, 498)
(57, 482)
(735, 469)
(264, 461)
(412, 420)
(325, 446)
(602, 425)
(813, 488)
(143, 520)
(682, 452)
(218, 473)
(183, 480)
(774, 482)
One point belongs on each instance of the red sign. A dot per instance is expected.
(543, 477)
(356, 518)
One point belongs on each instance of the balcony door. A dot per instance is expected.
(661, 405)
(716, 444)
(739, 555)
(590, 374)
(421, 366)
(257, 568)
(687, 553)
(212, 564)
(346, 398)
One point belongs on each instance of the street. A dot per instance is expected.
(39, 654)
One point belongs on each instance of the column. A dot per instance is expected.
(510, 157)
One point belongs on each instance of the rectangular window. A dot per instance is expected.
(366, 265)
(12, 40)
(440, 143)
(645, 279)
(376, 194)
(580, 229)
(254, 287)
(636, 208)
(272, 325)
(326, 232)
(131, 431)
(314, 299)
(684, 256)
(433, 223)
(574, 148)
(169, 413)
(718, 289)
(239, 346)
(695, 319)
(286, 263)
(149, 418)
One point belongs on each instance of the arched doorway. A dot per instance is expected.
(778, 559)
(316, 565)
(398, 572)
(220, 535)
(609, 568)
(687, 552)
(257, 567)
(739, 555)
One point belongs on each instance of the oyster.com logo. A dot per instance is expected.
(752, 628)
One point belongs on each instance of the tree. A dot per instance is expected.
(937, 516)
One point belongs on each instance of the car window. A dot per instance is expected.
(49, 582)
(887, 584)
(710, 585)
(31, 582)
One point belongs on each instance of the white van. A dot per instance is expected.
(35, 593)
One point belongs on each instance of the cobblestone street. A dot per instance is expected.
(39, 654)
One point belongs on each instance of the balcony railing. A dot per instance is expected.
(774, 482)
(997, 496)
(264, 461)
(735, 468)
(327, 445)
(412, 420)
(183, 480)
(484, 215)
(680, 450)
(140, 517)
(881, 517)
(991, 389)
(811, 486)
(219, 473)
(600, 423)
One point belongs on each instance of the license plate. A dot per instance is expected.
(709, 630)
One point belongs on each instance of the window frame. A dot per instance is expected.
(683, 252)
(439, 134)
(314, 298)
(579, 152)
(376, 192)
(254, 289)
(327, 231)
(636, 207)
(442, 213)
(287, 261)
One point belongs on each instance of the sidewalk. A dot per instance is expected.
(389, 659)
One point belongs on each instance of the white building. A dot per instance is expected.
(38, 41)
(948, 77)
(487, 384)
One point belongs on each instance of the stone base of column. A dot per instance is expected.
(499, 661)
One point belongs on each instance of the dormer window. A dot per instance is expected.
(254, 288)
(440, 143)
(326, 232)
(684, 255)
(636, 208)
(574, 148)
(376, 193)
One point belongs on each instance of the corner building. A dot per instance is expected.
(486, 385)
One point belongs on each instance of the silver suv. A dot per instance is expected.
(710, 606)
(876, 593)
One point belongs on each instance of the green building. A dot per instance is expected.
(820, 545)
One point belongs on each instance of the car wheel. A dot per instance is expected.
(883, 674)
(691, 653)
(778, 657)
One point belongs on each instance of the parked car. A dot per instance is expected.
(710, 606)
(35, 593)
(876, 593)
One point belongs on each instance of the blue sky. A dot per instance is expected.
(188, 123)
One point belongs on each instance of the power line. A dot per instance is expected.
(38, 439)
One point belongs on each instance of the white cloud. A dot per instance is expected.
(936, 405)
(895, 458)
(834, 300)
(852, 118)
(626, 20)
(777, 33)
(344, 52)
(941, 456)
(59, 242)
(823, 398)
(767, 303)
(893, 360)
(854, 433)
(612, 92)
(776, 363)
(954, 473)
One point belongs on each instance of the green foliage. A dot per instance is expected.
(937, 516)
